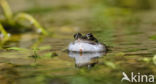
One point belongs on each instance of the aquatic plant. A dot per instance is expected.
(16, 49)
(35, 52)
(12, 21)
(154, 59)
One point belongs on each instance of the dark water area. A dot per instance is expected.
(127, 29)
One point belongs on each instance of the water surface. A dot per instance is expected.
(129, 34)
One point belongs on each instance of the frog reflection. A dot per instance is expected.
(86, 59)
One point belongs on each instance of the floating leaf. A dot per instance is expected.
(154, 59)
(120, 54)
(110, 64)
(54, 54)
(146, 59)
(153, 37)
(50, 54)
(16, 48)
(47, 55)
(45, 47)
(35, 49)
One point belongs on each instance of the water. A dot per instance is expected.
(128, 33)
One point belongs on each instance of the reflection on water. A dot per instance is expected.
(86, 59)
(127, 32)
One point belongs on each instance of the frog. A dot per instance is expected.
(86, 43)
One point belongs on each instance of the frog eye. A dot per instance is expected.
(89, 35)
(77, 35)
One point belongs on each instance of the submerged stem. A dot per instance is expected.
(32, 20)
(7, 11)
(3, 31)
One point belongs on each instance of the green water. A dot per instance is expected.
(129, 34)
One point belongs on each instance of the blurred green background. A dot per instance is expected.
(127, 27)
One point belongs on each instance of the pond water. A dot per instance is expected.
(30, 58)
